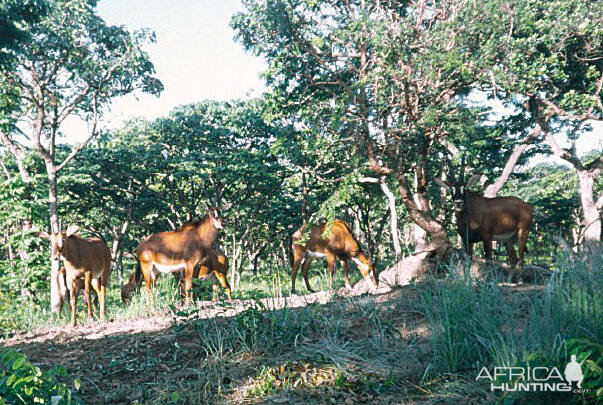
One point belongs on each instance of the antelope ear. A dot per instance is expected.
(227, 207)
(441, 183)
(43, 235)
(476, 178)
(71, 230)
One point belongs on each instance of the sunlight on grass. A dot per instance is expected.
(425, 341)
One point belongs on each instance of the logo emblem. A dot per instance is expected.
(573, 371)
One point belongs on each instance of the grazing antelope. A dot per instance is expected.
(127, 290)
(217, 263)
(181, 249)
(87, 259)
(501, 219)
(339, 244)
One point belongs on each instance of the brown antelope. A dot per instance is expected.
(127, 290)
(181, 249)
(501, 219)
(338, 244)
(87, 259)
(217, 263)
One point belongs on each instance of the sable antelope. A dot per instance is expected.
(217, 263)
(339, 244)
(501, 219)
(87, 259)
(181, 249)
(133, 283)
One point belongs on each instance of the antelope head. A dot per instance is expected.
(215, 215)
(458, 187)
(57, 240)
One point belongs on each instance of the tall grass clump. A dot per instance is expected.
(344, 336)
(483, 323)
(465, 315)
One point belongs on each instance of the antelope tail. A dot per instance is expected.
(290, 251)
(138, 273)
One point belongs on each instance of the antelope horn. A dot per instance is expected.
(450, 170)
(462, 174)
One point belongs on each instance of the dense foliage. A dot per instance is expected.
(368, 103)
(23, 383)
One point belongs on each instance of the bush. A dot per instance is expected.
(23, 383)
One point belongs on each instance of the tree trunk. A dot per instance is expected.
(9, 247)
(236, 253)
(419, 215)
(419, 238)
(419, 235)
(286, 254)
(493, 189)
(356, 228)
(591, 215)
(120, 267)
(393, 217)
(53, 211)
(116, 246)
(304, 199)
(254, 257)
(19, 153)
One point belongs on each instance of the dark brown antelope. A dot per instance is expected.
(339, 243)
(178, 250)
(128, 289)
(87, 259)
(501, 219)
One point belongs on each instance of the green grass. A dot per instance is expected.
(425, 342)
(480, 324)
(21, 313)
(270, 285)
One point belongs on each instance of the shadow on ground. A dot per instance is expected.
(313, 348)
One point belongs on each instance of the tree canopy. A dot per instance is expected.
(368, 103)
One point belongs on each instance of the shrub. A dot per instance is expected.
(23, 383)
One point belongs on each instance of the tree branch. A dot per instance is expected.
(542, 126)
(18, 152)
(493, 189)
(81, 146)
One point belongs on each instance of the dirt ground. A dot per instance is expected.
(128, 361)
(116, 360)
